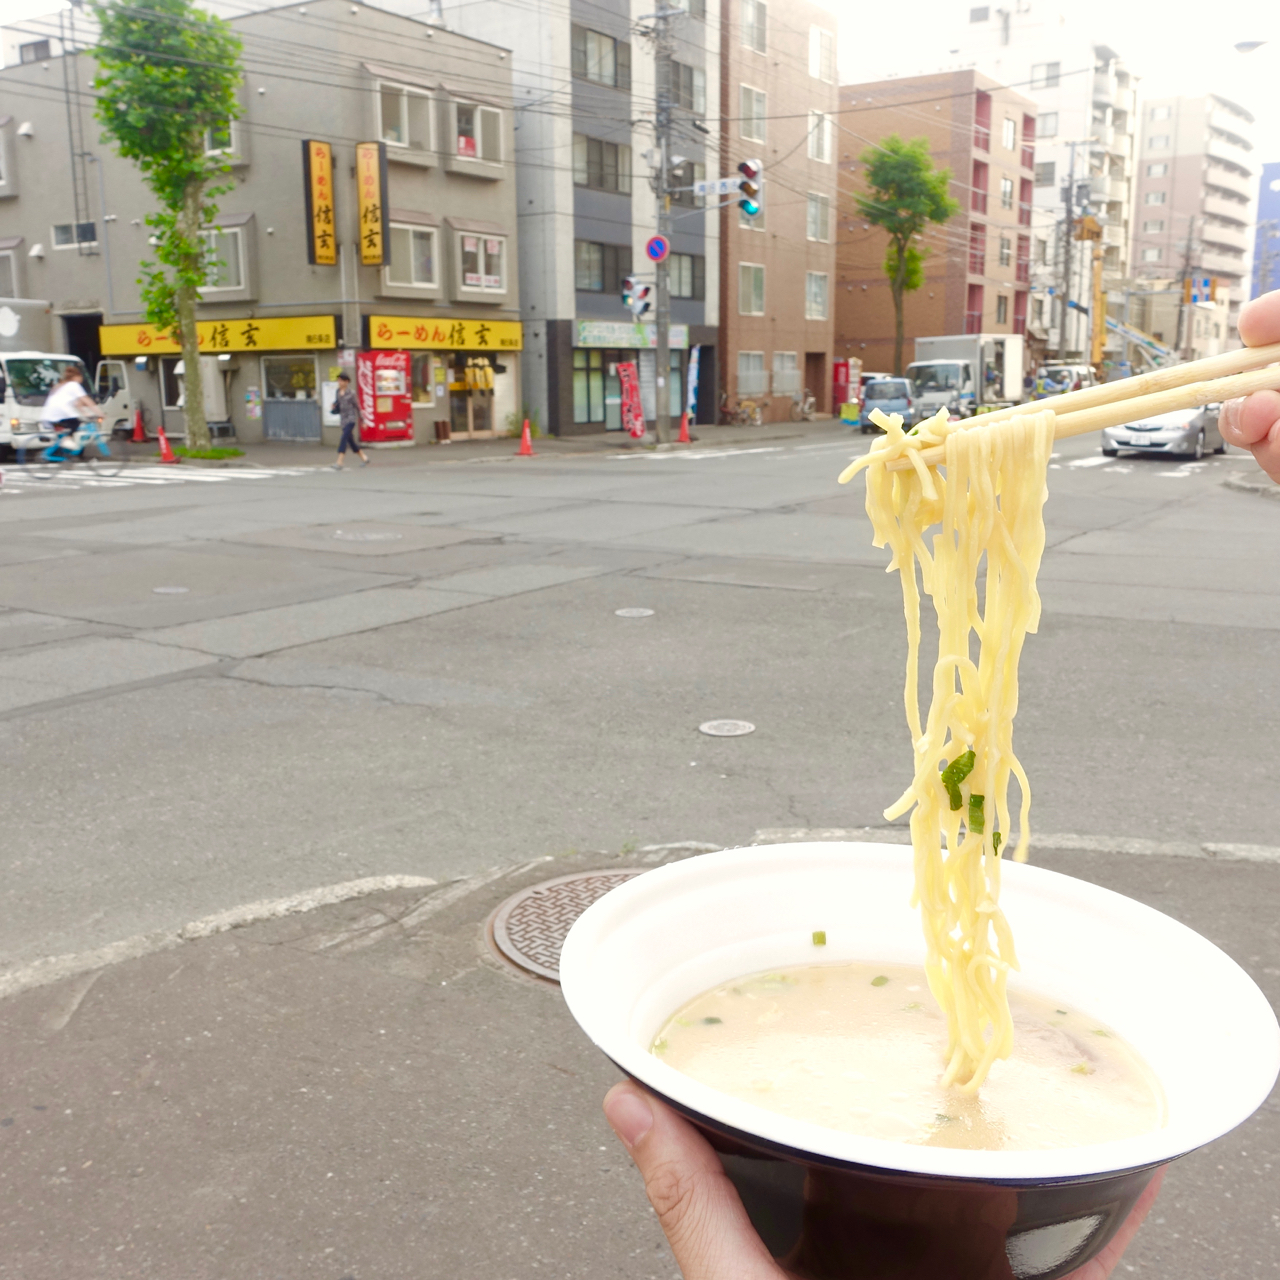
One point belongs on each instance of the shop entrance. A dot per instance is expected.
(290, 410)
(471, 383)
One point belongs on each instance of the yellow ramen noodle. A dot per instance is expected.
(989, 503)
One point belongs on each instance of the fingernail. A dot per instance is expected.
(629, 1113)
(1229, 415)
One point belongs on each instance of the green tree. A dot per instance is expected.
(167, 74)
(904, 194)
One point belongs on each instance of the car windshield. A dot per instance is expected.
(1059, 374)
(935, 377)
(32, 380)
(889, 389)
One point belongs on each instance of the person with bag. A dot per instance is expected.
(347, 406)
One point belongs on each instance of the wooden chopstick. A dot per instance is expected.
(1116, 410)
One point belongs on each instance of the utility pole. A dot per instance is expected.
(1068, 232)
(664, 113)
(1184, 302)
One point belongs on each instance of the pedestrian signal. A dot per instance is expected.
(749, 186)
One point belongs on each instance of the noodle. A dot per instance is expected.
(990, 503)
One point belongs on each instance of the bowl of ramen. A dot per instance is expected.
(777, 997)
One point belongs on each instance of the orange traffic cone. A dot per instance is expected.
(139, 431)
(526, 442)
(683, 437)
(166, 454)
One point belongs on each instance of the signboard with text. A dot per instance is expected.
(317, 171)
(371, 203)
(283, 333)
(411, 333)
(609, 333)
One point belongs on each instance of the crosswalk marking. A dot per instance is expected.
(15, 479)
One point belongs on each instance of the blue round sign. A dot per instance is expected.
(658, 248)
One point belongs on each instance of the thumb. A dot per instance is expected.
(699, 1210)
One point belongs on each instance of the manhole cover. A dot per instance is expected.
(529, 929)
(367, 535)
(726, 728)
(633, 613)
(171, 591)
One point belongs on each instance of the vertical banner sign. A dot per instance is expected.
(632, 413)
(317, 170)
(371, 193)
(691, 395)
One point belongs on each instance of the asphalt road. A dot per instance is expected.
(418, 669)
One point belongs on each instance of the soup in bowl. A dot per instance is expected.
(832, 1202)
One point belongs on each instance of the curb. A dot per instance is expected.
(1262, 485)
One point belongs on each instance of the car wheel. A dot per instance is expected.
(1199, 451)
(1110, 453)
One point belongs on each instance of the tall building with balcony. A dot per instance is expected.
(778, 104)
(1195, 187)
(1266, 248)
(977, 266)
(1084, 97)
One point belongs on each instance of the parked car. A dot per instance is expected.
(1188, 432)
(890, 395)
(862, 384)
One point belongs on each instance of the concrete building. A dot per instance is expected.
(1195, 188)
(73, 230)
(778, 104)
(977, 266)
(1086, 123)
(584, 83)
(1266, 248)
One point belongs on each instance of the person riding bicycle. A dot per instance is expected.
(68, 405)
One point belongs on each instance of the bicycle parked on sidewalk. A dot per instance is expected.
(44, 455)
(803, 406)
(746, 413)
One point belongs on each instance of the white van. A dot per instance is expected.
(27, 377)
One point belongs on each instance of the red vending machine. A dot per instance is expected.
(386, 401)
(839, 385)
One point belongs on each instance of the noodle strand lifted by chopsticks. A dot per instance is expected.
(990, 504)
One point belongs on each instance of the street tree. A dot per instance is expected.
(167, 82)
(904, 194)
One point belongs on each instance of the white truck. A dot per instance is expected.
(966, 373)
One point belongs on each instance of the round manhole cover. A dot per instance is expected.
(171, 591)
(529, 929)
(367, 535)
(726, 728)
(633, 613)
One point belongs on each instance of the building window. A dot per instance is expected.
(1158, 142)
(786, 373)
(815, 295)
(977, 248)
(34, 51)
(1006, 193)
(223, 259)
(688, 87)
(1045, 75)
(1153, 226)
(220, 139)
(754, 15)
(687, 276)
(1045, 171)
(752, 379)
(404, 117)
(588, 385)
(1152, 255)
(602, 166)
(752, 108)
(980, 14)
(600, 58)
(1157, 170)
(694, 8)
(820, 134)
(978, 196)
(1154, 197)
(413, 256)
(1159, 113)
(479, 132)
(750, 289)
(600, 268)
(1002, 309)
(66, 235)
(822, 55)
(1006, 251)
(1047, 124)
(1009, 134)
(818, 220)
(683, 176)
(982, 121)
(1037, 311)
(8, 275)
(483, 263)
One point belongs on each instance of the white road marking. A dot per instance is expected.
(693, 455)
(1094, 460)
(16, 479)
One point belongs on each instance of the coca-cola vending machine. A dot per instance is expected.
(386, 400)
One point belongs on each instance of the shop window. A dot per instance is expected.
(422, 377)
(755, 14)
(170, 383)
(600, 58)
(404, 117)
(752, 113)
(483, 260)
(413, 256)
(687, 276)
(750, 289)
(289, 377)
(818, 218)
(821, 128)
(67, 235)
(752, 378)
(588, 385)
(822, 54)
(600, 165)
(815, 295)
(479, 132)
(223, 259)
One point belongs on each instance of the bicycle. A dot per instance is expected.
(104, 455)
(746, 413)
(803, 406)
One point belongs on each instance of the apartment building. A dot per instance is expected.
(1086, 121)
(277, 322)
(976, 266)
(778, 103)
(585, 95)
(1266, 249)
(1195, 188)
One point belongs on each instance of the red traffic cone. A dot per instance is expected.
(139, 431)
(526, 442)
(166, 453)
(683, 437)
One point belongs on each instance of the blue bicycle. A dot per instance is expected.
(47, 455)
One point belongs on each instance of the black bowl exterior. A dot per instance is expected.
(831, 1220)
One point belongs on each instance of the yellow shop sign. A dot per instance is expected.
(410, 333)
(283, 333)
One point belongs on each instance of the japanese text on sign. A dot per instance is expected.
(410, 333)
(322, 244)
(371, 183)
(286, 333)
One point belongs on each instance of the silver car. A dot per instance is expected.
(1190, 433)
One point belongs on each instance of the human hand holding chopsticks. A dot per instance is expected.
(1253, 422)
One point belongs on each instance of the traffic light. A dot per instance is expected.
(749, 187)
(635, 296)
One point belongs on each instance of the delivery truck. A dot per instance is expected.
(967, 373)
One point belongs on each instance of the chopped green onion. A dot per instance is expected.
(1061, 1011)
(819, 937)
(659, 1046)
(711, 1022)
(995, 843)
(954, 774)
(879, 981)
(941, 1119)
(1098, 1031)
(977, 820)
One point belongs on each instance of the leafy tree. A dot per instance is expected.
(904, 194)
(167, 73)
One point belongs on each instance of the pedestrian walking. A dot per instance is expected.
(68, 404)
(347, 406)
